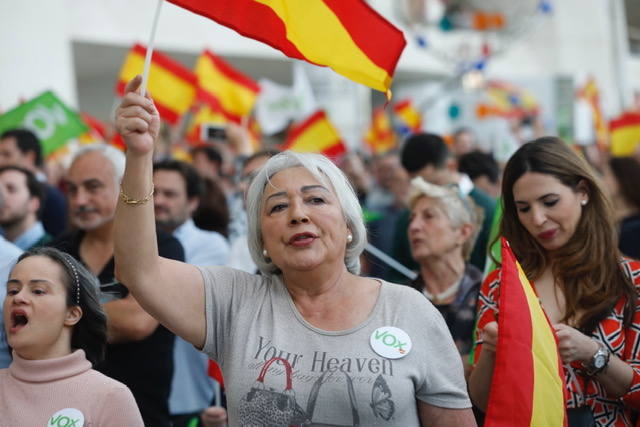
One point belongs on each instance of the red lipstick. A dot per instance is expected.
(549, 234)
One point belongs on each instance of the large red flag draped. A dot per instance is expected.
(527, 388)
(348, 36)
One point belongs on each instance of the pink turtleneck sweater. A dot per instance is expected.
(44, 392)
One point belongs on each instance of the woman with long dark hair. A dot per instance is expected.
(57, 330)
(560, 227)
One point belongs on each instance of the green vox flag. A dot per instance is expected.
(494, 242)
(49, 118)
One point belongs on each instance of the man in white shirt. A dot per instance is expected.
(177, 192)
(19, 215)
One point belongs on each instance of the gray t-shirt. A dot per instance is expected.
(336, 377)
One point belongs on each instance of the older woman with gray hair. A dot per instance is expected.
(442, 230)
(307, 342)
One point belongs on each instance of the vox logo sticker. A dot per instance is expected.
(68, 417)
(390, 342)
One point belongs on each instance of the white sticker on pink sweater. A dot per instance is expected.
(67, 417)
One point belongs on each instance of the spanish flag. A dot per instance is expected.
(315, 135)
(625, 134)
(591, 94)
(172, 86)
(508, 100)
(96, 130)
(380, 136)
(348, 36)
(222, 85)
(254, 133)
(408, 115)
(527, 388)
(203, 113)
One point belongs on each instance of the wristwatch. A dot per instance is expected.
(598, 362)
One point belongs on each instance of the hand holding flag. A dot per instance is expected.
(489, 336)
(137, 119)
(573, 345)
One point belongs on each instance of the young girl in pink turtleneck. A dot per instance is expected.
(57, 329)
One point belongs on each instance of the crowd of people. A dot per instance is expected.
(134, 276)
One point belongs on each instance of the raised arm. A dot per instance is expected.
(171, 291)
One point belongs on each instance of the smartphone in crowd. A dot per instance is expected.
(213, 132)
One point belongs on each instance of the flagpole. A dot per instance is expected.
(147, 59)
(390, 261)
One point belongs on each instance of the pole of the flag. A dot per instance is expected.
(218, 393)
(390, 261)
(147, 59)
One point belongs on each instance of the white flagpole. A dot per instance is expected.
(147, 59)
(218, 393)
(390, 261)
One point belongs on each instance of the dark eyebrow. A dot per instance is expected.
(83, 183)
(539, 198)
(91, 181)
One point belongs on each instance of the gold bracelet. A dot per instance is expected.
(129, 201)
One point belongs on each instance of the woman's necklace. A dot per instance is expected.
(444, 295)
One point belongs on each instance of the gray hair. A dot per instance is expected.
(460, 209)
(109, 152)
(325, 171)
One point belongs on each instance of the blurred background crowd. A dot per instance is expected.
(476, 81)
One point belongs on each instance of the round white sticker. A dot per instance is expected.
(67, 417)
(390, 342)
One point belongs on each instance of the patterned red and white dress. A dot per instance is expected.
(623, 342)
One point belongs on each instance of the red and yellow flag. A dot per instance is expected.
(408, 115)
(527, 387)
(96, 132)
(380, 137)
(171, 85)
(222, 85)
(254, 133)
(315, 135)
(204, 113)
(591, 94)
(508, 100)
(348, 36)
(625, 134)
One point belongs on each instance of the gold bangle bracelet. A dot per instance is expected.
(129, 201)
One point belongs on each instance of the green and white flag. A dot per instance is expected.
(49, 118)
(494, 242)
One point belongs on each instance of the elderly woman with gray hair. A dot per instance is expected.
(308, 342)
(442, 231)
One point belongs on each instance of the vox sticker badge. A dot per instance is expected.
(390, 342)
(67, 417)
